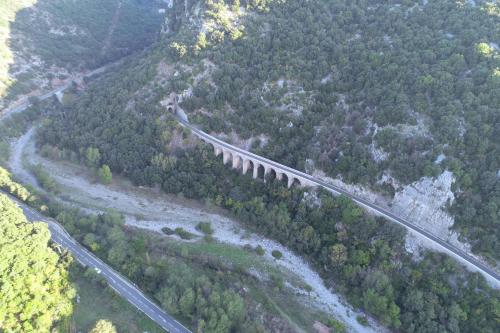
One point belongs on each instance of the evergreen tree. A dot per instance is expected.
(34, 287)
(103, 326)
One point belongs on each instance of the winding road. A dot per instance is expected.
(21, 107)
(121, 285)
(440, 244)
(133, 295)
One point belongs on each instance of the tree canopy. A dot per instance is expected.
(34, 287)
(103, 326)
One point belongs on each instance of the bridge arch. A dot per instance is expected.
(259, 169)
(292, 180)
(237, 161)
(226, 156)
(248, 166)
(271, 174)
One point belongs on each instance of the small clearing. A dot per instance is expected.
(112, 27)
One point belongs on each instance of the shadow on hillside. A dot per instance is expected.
(50, 40)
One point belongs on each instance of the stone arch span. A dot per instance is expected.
(226, 156)
(259, 167)
(237, 161)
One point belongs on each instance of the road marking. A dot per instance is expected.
(86, 258)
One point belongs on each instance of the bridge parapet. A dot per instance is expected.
(303, 179)
(244, 160)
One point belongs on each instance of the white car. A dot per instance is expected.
(98, 271)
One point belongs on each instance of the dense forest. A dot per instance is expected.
(203, 290)
(322, 80)
(331, 81)
(35, 291)
(8, 9)
(82, 28)
(364, 256)
(328, 80)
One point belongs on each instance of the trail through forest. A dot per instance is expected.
(112, 27)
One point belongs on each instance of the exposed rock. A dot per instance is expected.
(423, 202)
(440, 158)
(321, 328)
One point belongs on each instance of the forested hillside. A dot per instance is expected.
(40, 40)
(200, 288)
(365, 257)
(8, 11)
(34, 288)
(379, 94)
(331, 80)
(363, 89)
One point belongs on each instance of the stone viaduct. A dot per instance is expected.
(262, 166)
(249, 162)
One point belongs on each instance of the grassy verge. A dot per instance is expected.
(232, 254)
(96, 302)
(270, 293)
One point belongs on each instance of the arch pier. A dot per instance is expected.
(246, 162)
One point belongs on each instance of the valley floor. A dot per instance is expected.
(149, 209)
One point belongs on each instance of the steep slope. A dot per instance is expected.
(379, 94)
(46, 41)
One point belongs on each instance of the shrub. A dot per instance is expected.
(362, 320)
(260, 250)
(336, 326)
(277, 254)
(44, 179)
(167, 231)
(183, 233)
(205, 227)
(105, 175)
(278, 281)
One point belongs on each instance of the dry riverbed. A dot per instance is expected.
(152, 210)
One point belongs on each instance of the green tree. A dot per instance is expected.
(92, 157)
(338, 254)
(34, 287)
(105, 175)
(12, 187)
(103, 326)
(277, 254)
(201, 42)
(186, 302)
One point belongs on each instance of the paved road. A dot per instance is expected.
(120, 284)
(441, 244)
(8, 111)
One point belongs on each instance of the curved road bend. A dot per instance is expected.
(121, 285)
(7, 111)
(448, 248)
